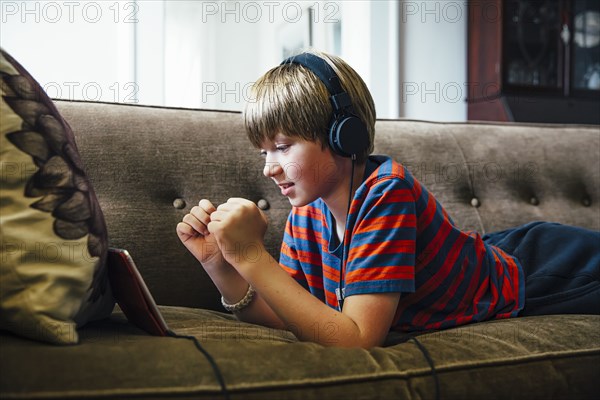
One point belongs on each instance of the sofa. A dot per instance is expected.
(150, 165)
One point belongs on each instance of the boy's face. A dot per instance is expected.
(303, 170)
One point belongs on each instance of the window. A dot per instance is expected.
(206, 54)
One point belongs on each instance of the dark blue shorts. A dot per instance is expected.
(561, 265)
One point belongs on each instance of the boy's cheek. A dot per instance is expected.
(323, 172)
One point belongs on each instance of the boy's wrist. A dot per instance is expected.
(221, 269)
(213, 265)
(228, 281)
(255, 261)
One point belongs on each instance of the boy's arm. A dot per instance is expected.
(193, 233)
(239, 227)
(364, 322)
(233, 288)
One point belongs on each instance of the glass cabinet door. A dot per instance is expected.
(585, 47)
(532, 45)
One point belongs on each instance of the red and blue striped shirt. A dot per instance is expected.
(400, 239)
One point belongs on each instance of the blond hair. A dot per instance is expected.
(290, 99)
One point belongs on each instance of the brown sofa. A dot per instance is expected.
(149, 165)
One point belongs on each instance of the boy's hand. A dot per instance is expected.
(194, 234)
(239, 226)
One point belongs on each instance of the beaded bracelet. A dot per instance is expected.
(243, 303)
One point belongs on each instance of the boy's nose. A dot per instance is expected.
(272, 169)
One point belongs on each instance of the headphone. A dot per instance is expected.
(348, 134)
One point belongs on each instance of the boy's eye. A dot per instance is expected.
(281, 147)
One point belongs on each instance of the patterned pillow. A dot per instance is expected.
(53, 236)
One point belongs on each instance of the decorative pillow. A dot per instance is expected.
(53, 236)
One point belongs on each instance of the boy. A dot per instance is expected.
(404, 264)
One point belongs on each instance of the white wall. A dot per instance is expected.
(232, 56)
(75, 50)
(370, 46)
(433, 60)
(149, 52)
(207, 53)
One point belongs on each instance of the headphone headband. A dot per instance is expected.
(340, 100)
(321, 68)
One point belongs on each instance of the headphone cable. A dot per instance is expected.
(208, 357)
(429, 360)
(340, 290)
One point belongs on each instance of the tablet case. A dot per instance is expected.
(132, 294)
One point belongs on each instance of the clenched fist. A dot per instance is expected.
(239, 227)
(194, 234)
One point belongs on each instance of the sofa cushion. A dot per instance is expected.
(493, 176)
(54, 240)
(197, 154)
(174, 154)
(533, 357)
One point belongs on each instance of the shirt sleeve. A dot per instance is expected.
(288, 257)
(381, 254)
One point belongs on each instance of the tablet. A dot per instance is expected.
(132, 294)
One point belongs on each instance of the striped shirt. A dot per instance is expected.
(400, 239)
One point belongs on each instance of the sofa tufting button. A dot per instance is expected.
(586, 202)
(263, 204)
(179, 203)
(534, 201)
(475, 202)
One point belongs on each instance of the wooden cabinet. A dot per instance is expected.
(534, 60)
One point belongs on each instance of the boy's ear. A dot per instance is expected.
(324, 143)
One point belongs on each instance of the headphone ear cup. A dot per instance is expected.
(334, 141)
(348, 135)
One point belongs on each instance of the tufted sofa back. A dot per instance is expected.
(150, 165)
